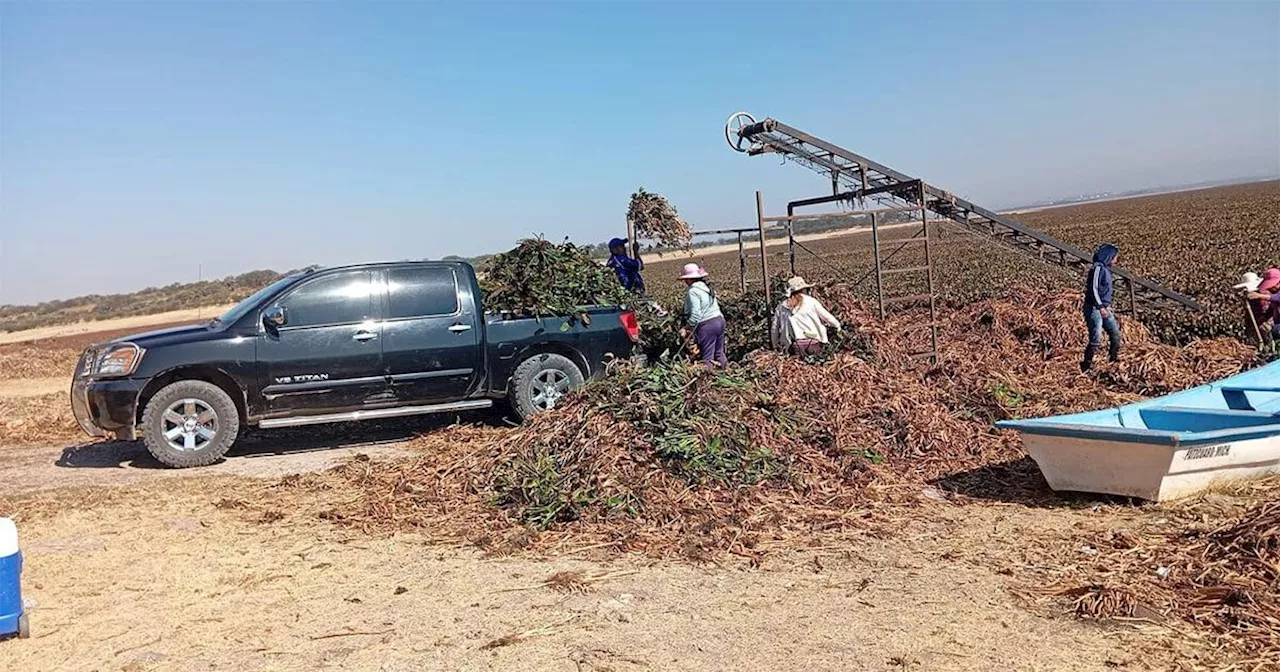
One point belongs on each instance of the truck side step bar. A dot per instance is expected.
(376, 414)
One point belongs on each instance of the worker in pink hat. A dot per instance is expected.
(702, 313)
(1268, 296)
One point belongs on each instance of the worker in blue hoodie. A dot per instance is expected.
(1098, 313)
(627, 267)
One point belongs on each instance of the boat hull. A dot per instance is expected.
(1153, 471)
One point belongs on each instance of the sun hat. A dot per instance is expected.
(797, 284)
(1249, 282)
(1270, 280)
(693, 272)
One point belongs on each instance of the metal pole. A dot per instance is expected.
(928, 261)
(791, 238)
(1133, 300)
(1253, 320)
(875, 249)
(631, 238)
(742, 264)
(862, 199)
(764, 255)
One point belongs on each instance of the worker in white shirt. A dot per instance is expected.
(800, 322)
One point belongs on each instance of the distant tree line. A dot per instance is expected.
(175, 296)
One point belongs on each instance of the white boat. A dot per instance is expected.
(1164, 448)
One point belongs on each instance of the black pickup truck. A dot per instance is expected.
(351, 343)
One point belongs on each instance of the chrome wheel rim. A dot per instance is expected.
(189, 425)
(549, 385)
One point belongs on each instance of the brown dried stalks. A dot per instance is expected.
(656, 219)
(674, 461)
(1215, 568)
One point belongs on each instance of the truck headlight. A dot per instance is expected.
(120, 360)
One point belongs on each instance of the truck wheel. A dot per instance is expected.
(541, 381)
(190, 423)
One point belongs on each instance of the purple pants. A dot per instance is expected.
(709, 336)
(806, 347)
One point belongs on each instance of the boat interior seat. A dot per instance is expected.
(1237, 397)
(1190, 419)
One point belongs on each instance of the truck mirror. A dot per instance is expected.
(275, 317)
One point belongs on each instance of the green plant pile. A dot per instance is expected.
(541, 278)
(704, 429)
(656, 219)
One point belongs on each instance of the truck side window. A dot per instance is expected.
(422, 292)
(344, 298)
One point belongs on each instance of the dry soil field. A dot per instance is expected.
(256, 563)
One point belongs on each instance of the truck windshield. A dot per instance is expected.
(240, 309)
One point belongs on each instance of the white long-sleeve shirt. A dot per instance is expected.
(809, 321)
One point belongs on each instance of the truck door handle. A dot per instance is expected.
(459, 328)
(363, 336)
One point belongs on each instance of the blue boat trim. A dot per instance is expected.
(1243, 407)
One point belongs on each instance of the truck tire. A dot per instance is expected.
(190, 423)
(540, 381)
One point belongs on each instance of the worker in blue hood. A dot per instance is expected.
(628, 268)
(1098, 314)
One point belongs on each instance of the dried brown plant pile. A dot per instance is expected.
(672, 460)
(1213, 565)
(656, 219)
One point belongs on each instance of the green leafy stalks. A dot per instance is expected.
(541, 278)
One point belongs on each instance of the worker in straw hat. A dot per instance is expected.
(800, 322)
(702, 312)
(1255, 309)
(1266, 296)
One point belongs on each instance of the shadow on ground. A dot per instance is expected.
(1020, 482)
(268, 443)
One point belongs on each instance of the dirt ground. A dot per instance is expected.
(131, 568)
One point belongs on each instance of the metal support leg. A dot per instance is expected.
(928, 261)
(791, 246)
(875, 249)
(742, 264)
(764, 255)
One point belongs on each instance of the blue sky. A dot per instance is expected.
(141, 141)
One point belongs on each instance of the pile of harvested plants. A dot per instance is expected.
(656, 219)
(1212, 562)
(672, 459)
(541, 278)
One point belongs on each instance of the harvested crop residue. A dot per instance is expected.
(1206, 569)
(775, 454)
